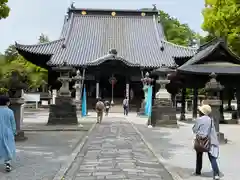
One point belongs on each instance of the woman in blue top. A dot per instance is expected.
(203, 127)
(7, 132)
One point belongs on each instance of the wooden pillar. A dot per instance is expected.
(238, 101)
(221, 107)
(183, 105)
(195, 102)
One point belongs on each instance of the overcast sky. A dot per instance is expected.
(29, 18)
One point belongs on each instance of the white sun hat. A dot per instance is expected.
(205, 109)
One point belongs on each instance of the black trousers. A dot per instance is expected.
(212, 160)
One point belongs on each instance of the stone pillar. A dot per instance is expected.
(195, 102)
(183, 102)
(54, 95)
(16, 95)
(17, 105)
(213, 88)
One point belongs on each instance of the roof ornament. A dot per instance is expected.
(64, 64)
(72, 6)
(154, 7)
(113, 52)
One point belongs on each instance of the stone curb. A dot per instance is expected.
(160, 158)
(63, 170)
(44, 130)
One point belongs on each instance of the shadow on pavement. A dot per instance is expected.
(42, 155)
(160, 140)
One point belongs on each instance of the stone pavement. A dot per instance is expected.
(174, 147)
(45, 152)
(114, 150)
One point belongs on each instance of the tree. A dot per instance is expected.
(31, 74)
(11, 53)
(222, 19)
(4, 9)
(176, 32)
(43, 38)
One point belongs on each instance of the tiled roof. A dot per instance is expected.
(197, 63)
(178, 51)
(135, 38)
(48, 48)
(138, 40)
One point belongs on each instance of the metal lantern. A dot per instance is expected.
(147, 80)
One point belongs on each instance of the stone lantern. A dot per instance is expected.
(163, 112)
(213, 89)
(64, 110)
(15, 93)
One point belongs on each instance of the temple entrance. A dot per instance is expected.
(118, 90)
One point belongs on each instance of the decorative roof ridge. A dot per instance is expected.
(216, 42)
(209, 43)
(69, 30)
(110, 10)
(229, 50)
(157, 33)
(119, 16)
(40, 44)
(180, 46)
(112, 55)
(65, 21)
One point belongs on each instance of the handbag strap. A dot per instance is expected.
(210, 128)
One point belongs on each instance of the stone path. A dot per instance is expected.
(114, 150)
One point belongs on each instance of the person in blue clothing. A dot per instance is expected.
(7, 132)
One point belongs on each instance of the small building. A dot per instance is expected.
(193, 73)
(123, 44)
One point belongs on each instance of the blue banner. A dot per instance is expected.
(84, 103)
(149, 111)
(148, 105)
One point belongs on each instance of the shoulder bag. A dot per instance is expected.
(203, 144)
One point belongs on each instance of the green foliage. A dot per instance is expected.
(176, 32)
(31, 74)
(43, 39)
(11, 53)
(4, 9)
(222, 19)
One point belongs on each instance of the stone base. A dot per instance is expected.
(231, 121)
(63, 112)
(221, 138)
(182, 117)
(20, 136)
(142, 109)
(163, 116)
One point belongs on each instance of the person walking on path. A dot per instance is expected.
(99, 109)
(7, 132)
(107, 107)
(125, 106)
(206, 141)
